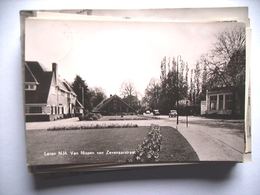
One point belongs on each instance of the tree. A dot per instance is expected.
(127, 89)
(204, 83)
(163, 69)
(226, 61)
(191, 93)
(187, 76)
(228, 43)
(81, 89)
(97, 95)
(133, 101)
(129, 94)
(88, 97)
(152, 95)
(197, 84)
(163, 96)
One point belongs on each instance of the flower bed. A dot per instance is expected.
(149, 150)
(92, 126)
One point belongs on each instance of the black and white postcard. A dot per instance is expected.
(110, 90)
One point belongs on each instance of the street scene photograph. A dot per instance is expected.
(122, 91)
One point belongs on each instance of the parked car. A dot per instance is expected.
(147, 112)
(173, 113)
(156, 112)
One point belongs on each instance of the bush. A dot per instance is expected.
(184, 110)
(90, 117)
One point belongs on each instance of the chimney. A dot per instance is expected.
(55, 71)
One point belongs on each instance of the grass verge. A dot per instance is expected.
(114, 145)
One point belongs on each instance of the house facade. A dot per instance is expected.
(114, 105)
(47, 96)
(222, 101)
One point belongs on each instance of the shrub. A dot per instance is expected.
(90, 117)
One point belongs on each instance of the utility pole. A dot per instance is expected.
(82, 94)
(187, 113)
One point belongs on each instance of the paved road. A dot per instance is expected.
(212, 139)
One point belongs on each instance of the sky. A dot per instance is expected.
(107, 53)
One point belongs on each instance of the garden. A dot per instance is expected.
(134, 144)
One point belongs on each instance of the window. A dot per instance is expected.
(26, 87)
(27, 109)
(220, 103)
(36, 110)
(213, 102)
(33, 109)
(30, 87)
(228, 102)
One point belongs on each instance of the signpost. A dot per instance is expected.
(187, 114)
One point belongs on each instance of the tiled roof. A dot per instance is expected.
(102, 104)
(62, 85)
(40, 95)
(29, 77)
